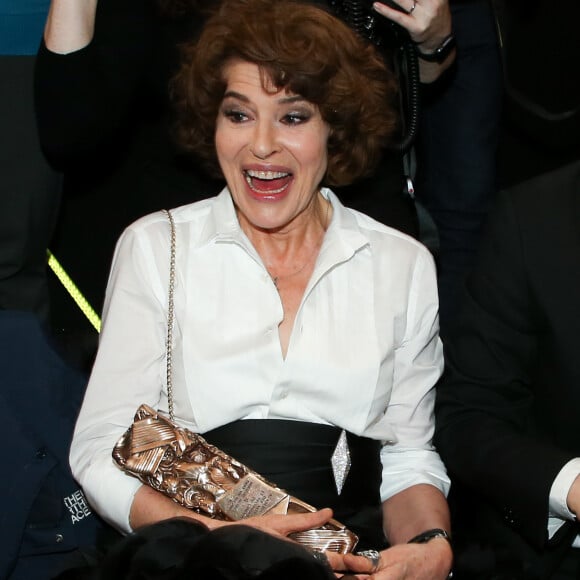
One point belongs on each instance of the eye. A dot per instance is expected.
(296, 118)
(235, 115)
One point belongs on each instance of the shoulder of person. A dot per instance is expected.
(547, 190)
(547, 204)
(381, 235)
(185, 214)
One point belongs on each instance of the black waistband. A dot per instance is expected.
(296, 456)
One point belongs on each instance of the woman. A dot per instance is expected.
(293, 313)
(103, 112)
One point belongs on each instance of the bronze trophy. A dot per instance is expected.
(185, 467)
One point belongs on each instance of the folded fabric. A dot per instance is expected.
(183, 549)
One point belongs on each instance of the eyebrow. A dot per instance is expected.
(284, 100)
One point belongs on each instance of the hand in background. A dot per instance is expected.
(428, 23)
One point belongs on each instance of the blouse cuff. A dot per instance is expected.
(561, 487)
(400, 474)
(113, 497)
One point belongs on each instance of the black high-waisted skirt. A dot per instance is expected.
(296, 456)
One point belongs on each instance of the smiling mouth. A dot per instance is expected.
(268, 182)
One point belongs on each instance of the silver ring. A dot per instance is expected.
(373, 557)
(410, 11)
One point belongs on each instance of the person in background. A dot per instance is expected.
(507, 408)
(451, 163)
(29, 188)
(297, 319)
(103, 116)
(46, 524)
(457, 148)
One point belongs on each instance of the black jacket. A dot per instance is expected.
(45, 521)
(507, 407)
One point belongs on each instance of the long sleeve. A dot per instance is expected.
(127, 373)
(412, 459)
(85, 99)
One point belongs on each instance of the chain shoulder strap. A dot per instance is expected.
(170, 316)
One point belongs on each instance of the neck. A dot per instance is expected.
(287, 252)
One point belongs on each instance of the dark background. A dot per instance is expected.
(541, 117)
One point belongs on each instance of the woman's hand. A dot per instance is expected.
(428, 23)
(408, 515)
(284, 525)
(429, 561)
(150, 506)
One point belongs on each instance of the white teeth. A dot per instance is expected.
(266, 174)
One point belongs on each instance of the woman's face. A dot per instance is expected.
(271, 146)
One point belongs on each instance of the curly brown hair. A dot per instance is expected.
(304, 50)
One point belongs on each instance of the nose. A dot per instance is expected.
(264, 140)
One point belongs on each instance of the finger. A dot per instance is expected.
(404, 20)
(315, 519)
(359, 564)
(405, 6)
(424, 23)
(336, 561)
(306, 521)
(401, 16)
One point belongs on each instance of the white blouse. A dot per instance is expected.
(364, 353)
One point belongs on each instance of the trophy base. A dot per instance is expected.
(253, 496)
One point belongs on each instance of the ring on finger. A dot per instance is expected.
(410, 11)
(373, 557)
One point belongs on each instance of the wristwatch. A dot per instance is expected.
(441, 52)
(425, 537)
(429, 535)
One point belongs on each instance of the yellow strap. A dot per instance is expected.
(75, 293)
